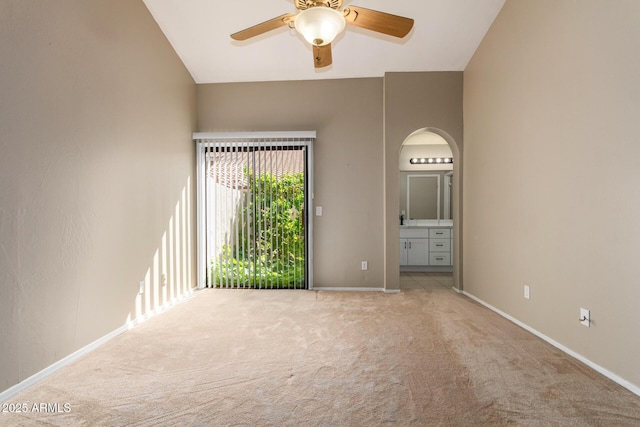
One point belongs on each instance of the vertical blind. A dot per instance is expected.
(254, 193)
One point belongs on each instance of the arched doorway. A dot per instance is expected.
(392, 223)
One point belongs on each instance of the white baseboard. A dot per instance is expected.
(349, 289)
(23, 385)
(624, 383)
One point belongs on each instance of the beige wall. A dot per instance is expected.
(96, 164)
(551, 178)
(347, 115)
(415, 101)
(353, 184)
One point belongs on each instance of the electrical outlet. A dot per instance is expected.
(365, 265)
(585, 317)
(141, 287)
(318, 210)
(527, 294)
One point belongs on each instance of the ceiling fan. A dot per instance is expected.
(320, 21)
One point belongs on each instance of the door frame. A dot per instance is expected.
(204, 140)
(448, 177)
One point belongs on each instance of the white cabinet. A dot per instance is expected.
(426, 247)
(414, 252)
(414, 246)
(440, 246)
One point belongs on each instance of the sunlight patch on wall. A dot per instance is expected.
(169, 277)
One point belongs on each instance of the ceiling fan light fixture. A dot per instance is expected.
(319, 25)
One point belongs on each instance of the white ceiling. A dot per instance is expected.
(424, 138)
(424, 144)
(445, 36)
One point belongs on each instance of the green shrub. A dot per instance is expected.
(271, 252)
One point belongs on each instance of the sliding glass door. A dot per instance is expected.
(255, 231)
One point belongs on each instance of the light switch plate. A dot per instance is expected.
(586, 315)
(318, 210)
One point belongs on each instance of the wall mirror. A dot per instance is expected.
(425, 189)
(423, 196)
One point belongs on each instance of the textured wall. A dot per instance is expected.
(347, 114)
(96, 115)
(551, 104)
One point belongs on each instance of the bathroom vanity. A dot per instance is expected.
(426, 245)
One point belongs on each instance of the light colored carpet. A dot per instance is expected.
(424, 357)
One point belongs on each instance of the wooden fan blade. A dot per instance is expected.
(381, 22)
(262, 28)
(322, 56)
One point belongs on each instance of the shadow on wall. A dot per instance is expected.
(169, 276)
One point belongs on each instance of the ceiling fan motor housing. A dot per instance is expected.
(306, 4)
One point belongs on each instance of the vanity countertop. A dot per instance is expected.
(427, 223)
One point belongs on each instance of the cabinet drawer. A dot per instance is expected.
(440, 258)
(439, 245)
(420, 233)
(439, 233)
